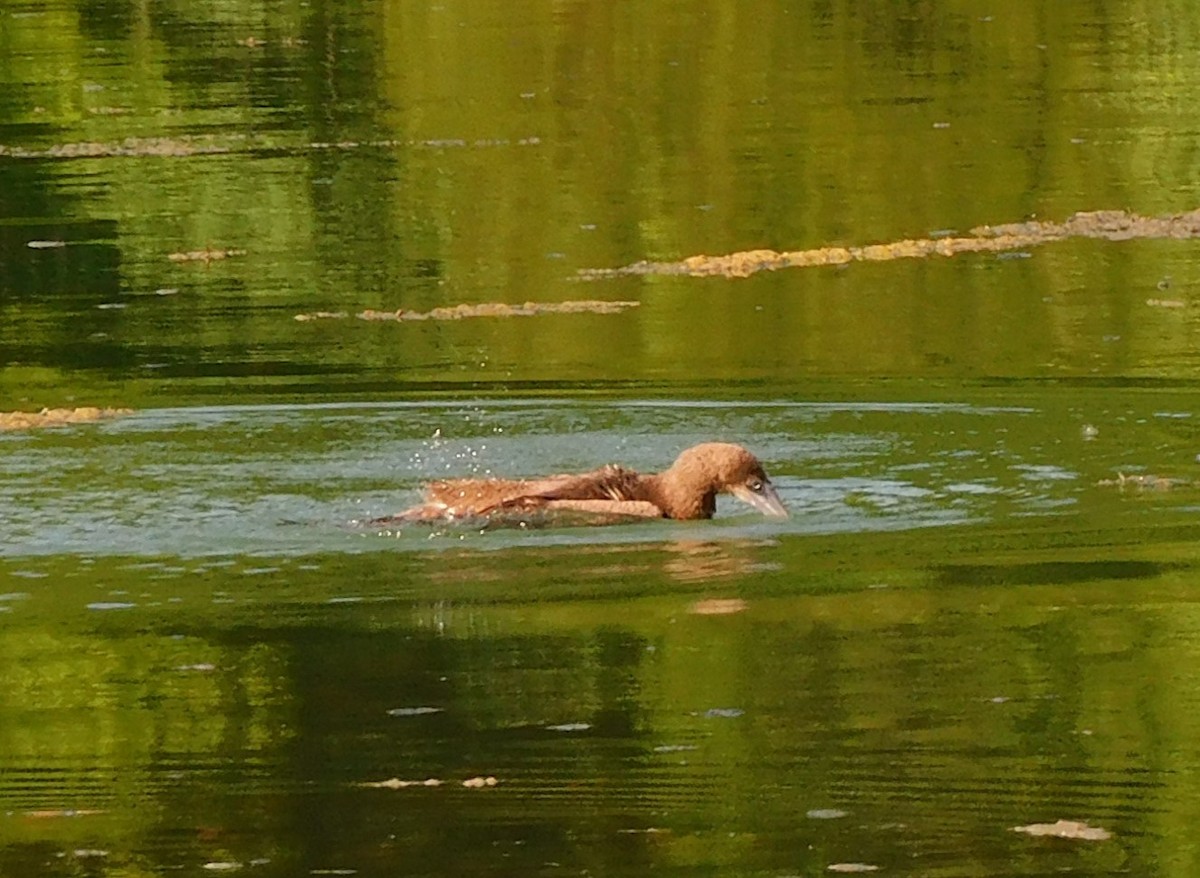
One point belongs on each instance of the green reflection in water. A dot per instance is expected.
(474, 153)
(959, 632)
(938, 705)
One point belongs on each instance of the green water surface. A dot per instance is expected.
(974, 619)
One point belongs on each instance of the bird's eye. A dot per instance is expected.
(756, 486)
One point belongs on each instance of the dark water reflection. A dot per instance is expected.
(233, 715)
(363, 157)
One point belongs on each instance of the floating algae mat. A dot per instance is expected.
(486, 309)
(58, 417)
(186, 146)
(1111, 225)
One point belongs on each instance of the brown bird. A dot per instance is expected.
(612, 493)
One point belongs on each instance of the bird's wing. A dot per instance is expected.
(602, 510)
(475, 494)
(481, 496)
(607, 483)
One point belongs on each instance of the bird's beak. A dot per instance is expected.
(766, 500)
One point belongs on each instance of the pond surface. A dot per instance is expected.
(982, 614)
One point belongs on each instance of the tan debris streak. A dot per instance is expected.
(206, 255)
(57, 417)
(1108, 225)
(485, 309)
(1074, 829)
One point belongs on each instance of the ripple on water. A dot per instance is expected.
(269, 480)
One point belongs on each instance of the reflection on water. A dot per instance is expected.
(227, 715)
(980, 616)
(361, 158)
(950, 638)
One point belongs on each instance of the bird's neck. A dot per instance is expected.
(682, 493)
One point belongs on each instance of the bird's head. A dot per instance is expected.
(724, 467)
